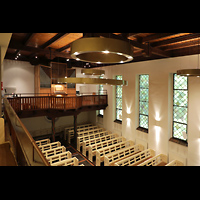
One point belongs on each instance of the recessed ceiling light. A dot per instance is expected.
(130, 57)
(106, 51)
(98, 62)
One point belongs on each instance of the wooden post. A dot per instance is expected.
(37, 78)
(75, 130)
(53, 128)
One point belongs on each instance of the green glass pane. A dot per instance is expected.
(101, 89)
(144, 108)
(144, 81)
(180, 82)
(119, 103)
(143, 121)
(119, 77)
(180, 114)
(178, 129)
(119, 114)
(144, 94)
(180, 97)
(119, 91)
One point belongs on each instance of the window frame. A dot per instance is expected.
(116, 109)
(99, 92)
(140, 128)
(175, 139)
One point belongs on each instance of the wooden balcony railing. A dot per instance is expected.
(26, 150)
(52, 102)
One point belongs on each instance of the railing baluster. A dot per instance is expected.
(52, 102)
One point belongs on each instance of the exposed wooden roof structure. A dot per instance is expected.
(41, 48)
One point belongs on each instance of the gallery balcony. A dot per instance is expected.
(33, 105)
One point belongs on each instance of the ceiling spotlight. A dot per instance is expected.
(67, 59)
(106, 51)
(36, 57)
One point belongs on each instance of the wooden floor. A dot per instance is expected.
(6, 156)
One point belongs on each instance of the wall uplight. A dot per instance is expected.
(128, 110)
(128, 121)
(157, 117)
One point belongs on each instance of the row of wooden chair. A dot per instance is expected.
(108, 147)
(69, 131)
(113, 150)
(56, 154)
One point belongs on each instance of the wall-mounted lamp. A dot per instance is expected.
(157, 123)
(128, 121)
(157, 119)
(128, 110)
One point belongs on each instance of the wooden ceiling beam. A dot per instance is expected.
(175, 39)
(54, 53)
(56, 38)
(25, 41)
(145, 47)
(185, 51)
(149, 38)
(132, 34)
(181, 45)
(64, 47)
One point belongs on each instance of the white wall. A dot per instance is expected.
(84, 88)
(160, 105)
(21, 75)
(18, 74)
(38, 126)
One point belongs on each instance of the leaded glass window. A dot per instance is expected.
(144, 101)
(100, 112)
(180, 106)
(119, 99)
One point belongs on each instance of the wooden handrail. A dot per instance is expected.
(52, 102)
(21, 130)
